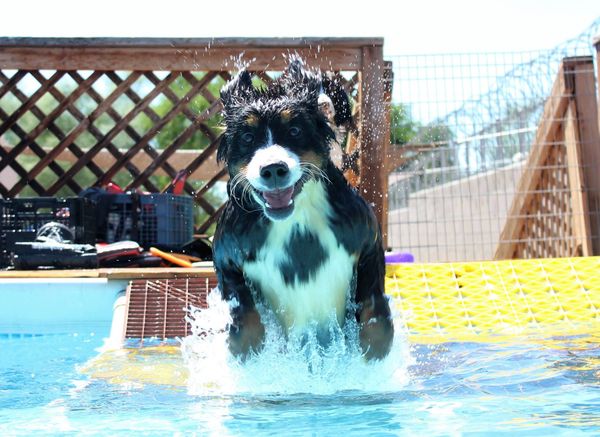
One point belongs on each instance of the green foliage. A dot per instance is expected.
(404, 129)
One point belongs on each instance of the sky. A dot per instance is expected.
(408, 27)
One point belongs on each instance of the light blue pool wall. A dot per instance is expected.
(43, 305)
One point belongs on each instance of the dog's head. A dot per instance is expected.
(276, 138)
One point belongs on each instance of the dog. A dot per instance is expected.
(294, 235)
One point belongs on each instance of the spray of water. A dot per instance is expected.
(287, 364)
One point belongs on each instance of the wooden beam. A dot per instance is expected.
(372, 129)
(579, 202)
(596, 43)
(388, 78)
(581, 75)
(180, 53)
(116, 273)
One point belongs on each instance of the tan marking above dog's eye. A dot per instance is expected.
(252, 120)
(312, 158)
(286, 115)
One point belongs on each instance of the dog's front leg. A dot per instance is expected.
(246, 332)
(373, 314)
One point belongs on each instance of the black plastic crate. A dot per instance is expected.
(150, 219)
(20, 219)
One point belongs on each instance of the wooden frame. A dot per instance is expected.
(85, 60)
(555, 211)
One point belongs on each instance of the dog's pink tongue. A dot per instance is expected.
(279, 198)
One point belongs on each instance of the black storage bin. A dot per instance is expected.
(20, 220)
(150, 219)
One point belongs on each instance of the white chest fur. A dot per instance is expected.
(324, 293)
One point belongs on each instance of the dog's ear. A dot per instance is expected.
(237, 90)
(302, 82)
(332, 87)
(223, 149)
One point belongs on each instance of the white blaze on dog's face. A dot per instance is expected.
(277, 138)
(274, 172)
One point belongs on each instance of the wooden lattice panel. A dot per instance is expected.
(554, 212)
(157, 308)
(62, 131)
(548, 226)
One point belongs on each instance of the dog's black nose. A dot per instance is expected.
(275, 175)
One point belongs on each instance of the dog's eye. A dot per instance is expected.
(248, 137)
(294, 131)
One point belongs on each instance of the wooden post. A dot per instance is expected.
(372, 130)
(579, 201)
(597, 45)
(581, 73)
(388, 77)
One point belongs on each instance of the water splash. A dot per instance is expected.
(285, 365)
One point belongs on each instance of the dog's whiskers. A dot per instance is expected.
(313, 171)
(245, 191)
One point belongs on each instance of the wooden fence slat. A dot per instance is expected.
(581, 220)
(16, 150)
(14, 165)
(581, 75)
(114, 131)
(38, 94)
(34, 147)
(10, 85)
(155, 129)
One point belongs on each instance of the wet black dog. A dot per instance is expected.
(294, 234)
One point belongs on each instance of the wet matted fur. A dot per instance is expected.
(293, 233)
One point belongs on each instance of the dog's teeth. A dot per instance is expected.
(268, 205)
(291, 201)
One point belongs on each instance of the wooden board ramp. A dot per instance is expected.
(156, 308)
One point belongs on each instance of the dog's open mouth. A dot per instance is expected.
(279, 199)
(279, 203)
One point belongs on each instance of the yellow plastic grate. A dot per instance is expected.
(488, 301)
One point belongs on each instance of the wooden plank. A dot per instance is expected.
(117, 273)
(546, 135)
(596, 43)
(180, 53)
(372, 128)
(586, 114)
(194, 43)
(581, 218)
(175, 58)
(388, 78)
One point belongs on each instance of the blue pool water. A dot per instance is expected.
(531, 387)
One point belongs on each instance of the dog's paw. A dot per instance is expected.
(376, 336)
(247, 336)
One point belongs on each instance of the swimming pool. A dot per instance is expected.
(55, 382)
